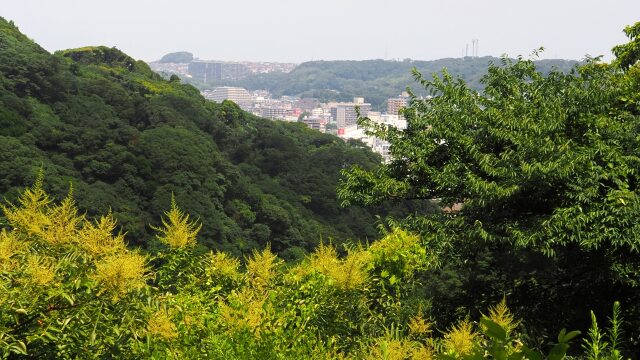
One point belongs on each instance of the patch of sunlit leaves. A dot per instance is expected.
(121, 273)
(461, 338)
(161, 325)
(177, 230)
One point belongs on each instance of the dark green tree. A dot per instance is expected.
(535, 162)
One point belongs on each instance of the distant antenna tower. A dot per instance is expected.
(474, 47)
(466, 51)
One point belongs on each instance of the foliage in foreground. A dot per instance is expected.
(542, 173)
(69, 288)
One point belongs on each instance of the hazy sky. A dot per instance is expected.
(301, 30)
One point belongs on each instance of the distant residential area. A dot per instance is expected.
(186, 66)
(337, 118)
(325, 94)
(334, 117)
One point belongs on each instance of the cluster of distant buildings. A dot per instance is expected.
(339, 118)
(210, 71)
(392, 117)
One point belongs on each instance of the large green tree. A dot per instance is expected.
(535, 163)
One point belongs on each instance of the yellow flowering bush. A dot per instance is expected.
(9, 247)
(119, 274)
(176, 230)
(70, 286)
(347, 273)
(98, 238)
(262, 268)
(30, 214)
(41, 270)
(160, 325)
(460, 339)
(63, 221)
(223, 265)
(501, 315)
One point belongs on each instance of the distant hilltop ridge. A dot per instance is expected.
(338, 80)
(177, 57)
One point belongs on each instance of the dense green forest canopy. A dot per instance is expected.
(375, 80)
(127, 139)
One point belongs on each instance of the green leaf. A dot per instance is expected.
(493, 330)
(516, 356)
(569, 336)
(19, 347)
(49, 336)
(445, 357)
(65, 322)
(561, 335)
(531, 354)
(499, 353)
(68, 298)
(558, 352)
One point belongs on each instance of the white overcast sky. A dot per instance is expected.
(302, 30)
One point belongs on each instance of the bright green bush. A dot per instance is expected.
(70, 288)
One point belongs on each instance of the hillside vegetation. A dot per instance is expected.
(128, 140)
(534, 256)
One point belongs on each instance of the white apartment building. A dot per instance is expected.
(238, 95)
(377, 145)
(345, 114)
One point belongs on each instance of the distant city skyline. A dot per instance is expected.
(298, 31)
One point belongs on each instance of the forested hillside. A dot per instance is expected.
(127, 139)
(534, 256)
(375, 80)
